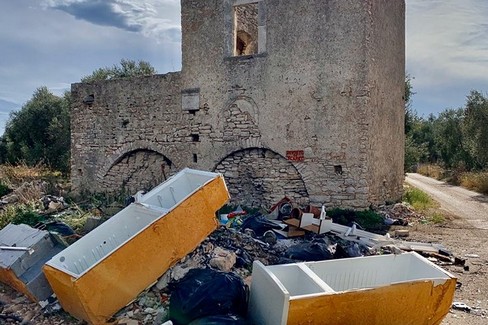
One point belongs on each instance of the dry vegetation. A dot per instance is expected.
(475, 181)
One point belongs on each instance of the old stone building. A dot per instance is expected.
(286, 98)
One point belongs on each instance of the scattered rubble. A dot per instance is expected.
(400, 214)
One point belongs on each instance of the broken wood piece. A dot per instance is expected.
(13, 248)
(295, 232)
(292, 222)
(308, 222)
(402, 233)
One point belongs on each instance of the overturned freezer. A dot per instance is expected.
(382, 290)
(110, 266)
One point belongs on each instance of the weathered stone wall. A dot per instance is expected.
(326, 83)
(137, 170)
(386, 54)
(260, 178)
(112, 138)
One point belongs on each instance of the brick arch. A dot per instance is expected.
(239, 120)
(117, 155)
(139, 169)
(260, 177)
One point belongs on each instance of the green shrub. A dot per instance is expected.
(4, 189)
(418, 199)
(27, 215)
(368, 219)
(437, 218)
(17, 214)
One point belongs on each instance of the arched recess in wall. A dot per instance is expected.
(139, 169)
(239, 120)
(258, 177)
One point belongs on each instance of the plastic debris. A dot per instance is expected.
(220, 320)
(461, 306)
(206, 292)
(313, 251)
(259, 224)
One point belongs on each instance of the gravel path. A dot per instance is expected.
(465, 204)
(466, 235)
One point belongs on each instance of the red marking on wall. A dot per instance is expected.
(295, 155)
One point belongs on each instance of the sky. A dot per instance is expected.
(54, 43)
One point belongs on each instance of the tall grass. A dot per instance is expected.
(418, 199)
(434, 171)
(14, 175)
(475, 181)
(421, 202)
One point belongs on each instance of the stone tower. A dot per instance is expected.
(286, 98)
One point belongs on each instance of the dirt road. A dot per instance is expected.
(465, 204)
(465, 234)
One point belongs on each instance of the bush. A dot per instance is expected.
(4, 189)
(429, 170)
(475, 181)
(17, 214)
(418, 199)
(368, 219)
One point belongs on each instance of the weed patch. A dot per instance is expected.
(367, 219)
(21, 213)
(437, 218)
(4, 189)
(418, 199)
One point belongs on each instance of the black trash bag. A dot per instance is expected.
(312, 251)
(259, 224)
(206, 292)
(60, 227)
(243, 259)
(354, 250)
(220, 320)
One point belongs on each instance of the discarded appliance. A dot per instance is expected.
(106, 269)
(382, 290)
(23, 252)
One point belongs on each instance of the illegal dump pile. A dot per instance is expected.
(182, 267)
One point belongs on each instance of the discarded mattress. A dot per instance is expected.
(382, 290)
(23, 252)
(106, 269)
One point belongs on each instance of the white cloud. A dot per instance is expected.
(157, 19)
(446, 40)
(53, 48)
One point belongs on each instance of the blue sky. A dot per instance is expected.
(54, 43)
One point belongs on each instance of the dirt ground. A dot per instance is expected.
(462, 240)
(464, 233)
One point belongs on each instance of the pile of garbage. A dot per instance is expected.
(226, 256)
(211, 284)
